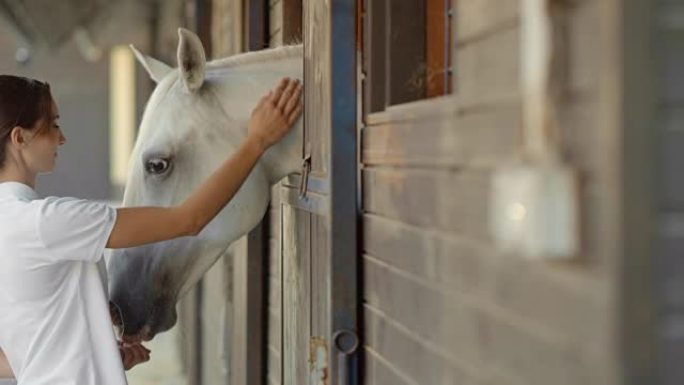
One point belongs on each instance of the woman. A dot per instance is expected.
(55, 326)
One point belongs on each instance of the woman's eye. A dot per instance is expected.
(156, 166)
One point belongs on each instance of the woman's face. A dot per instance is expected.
(41, 149)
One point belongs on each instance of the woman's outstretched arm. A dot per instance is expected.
(271, 119)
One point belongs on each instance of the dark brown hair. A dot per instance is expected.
(23, 102)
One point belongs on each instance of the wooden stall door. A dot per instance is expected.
(320, 297)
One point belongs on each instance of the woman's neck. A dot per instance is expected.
(11, 172)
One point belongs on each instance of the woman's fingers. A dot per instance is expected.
(134, 354)
(286, 96)
(292, 102)
(275, 96)
(295, 113)
(271, 120)
(144, 354)
(127, 359)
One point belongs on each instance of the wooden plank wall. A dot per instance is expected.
(669, 44)
(441, 305)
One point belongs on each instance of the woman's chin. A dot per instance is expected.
(47, 170)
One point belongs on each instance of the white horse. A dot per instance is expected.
(196, 117)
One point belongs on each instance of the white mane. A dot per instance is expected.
(267, 56)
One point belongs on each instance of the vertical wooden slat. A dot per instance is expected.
(203, 29)
(189, 320)
(227, 27)
(274, 324)
(320, 303)
(317, 78)
(256, 25)
(257, 249)
(252, 277)
(296, 295)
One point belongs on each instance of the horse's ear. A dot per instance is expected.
(191, 59)
(154, 67)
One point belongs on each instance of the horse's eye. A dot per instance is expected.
(157, 166)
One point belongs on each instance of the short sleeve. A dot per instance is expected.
(75, 229)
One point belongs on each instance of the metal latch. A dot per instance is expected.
(306, 170)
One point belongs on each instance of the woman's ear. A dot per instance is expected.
(17, 136)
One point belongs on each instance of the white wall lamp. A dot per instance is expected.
(534, 201)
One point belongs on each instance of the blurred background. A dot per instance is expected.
(519, 190)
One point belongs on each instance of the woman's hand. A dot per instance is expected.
(275, 114)
(133, 354)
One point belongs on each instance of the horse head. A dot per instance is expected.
(196, 117)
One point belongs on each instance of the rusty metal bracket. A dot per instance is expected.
(318, 361)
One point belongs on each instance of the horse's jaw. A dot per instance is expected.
(146, 281)
(149, 287)
(165, 272)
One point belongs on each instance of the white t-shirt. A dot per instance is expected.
(55, 326)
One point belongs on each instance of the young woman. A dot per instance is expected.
(55, 325)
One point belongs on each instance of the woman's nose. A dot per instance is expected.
(62, 139)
